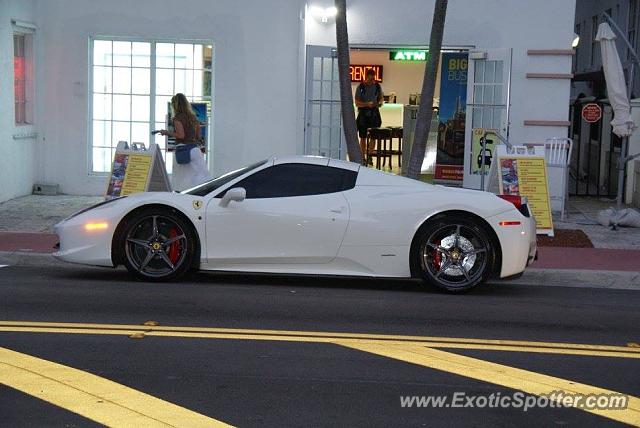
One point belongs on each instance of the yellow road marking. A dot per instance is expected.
(321, 337)
(413, 349)
(510, 377)
(91, 396)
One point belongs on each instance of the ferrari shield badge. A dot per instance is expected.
(197, 205)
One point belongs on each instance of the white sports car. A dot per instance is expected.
(308, 215)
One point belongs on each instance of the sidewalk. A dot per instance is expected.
(26, 238)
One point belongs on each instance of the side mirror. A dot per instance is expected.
(237, 194)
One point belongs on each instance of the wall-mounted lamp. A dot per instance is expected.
(323, 13)
(576, 40)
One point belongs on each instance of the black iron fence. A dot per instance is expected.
(596, 149)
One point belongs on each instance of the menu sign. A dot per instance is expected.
(135, 179)
(134, 170)
(527, 176)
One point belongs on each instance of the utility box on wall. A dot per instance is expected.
(45, 189)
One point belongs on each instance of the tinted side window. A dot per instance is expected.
(209, 186)
(297, 180)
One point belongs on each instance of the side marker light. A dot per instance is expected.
(95, 226)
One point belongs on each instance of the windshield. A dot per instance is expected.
(209, 186)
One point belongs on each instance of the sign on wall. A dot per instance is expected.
(591, 112)
(476, 150)
(452, 120)
(358, 72)
(409, 55)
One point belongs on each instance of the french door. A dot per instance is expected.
(488, 86)
(323, 134)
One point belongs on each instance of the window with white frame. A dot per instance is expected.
(23, 78)
(133, 82)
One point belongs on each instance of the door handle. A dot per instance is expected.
(336, 210)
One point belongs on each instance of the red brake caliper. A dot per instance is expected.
(436, 256)
(174, 248)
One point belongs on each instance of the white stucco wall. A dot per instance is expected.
(516, 24)
(18, 159)
(258, 77)
(257, 57)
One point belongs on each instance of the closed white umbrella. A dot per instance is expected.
(622, 123)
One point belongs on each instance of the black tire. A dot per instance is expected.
(157, 245)
(453, 252)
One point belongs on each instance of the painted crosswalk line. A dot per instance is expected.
(498, 374)
(91, 396)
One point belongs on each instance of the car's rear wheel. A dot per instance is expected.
(158, 245)
(454, 253)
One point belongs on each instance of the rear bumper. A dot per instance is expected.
(517, 242)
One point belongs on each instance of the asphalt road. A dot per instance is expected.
(254, 380)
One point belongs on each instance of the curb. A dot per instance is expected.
(23, 258)
(577, 278)
(573, 278)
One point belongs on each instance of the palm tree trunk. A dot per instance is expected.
(346, 97)
(425, 111)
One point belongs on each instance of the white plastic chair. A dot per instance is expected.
(558, 155)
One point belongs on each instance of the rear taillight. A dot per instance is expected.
(514, 199)
(520, 202)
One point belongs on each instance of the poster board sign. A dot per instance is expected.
(135, 170)
(526, 175)
(451, 127)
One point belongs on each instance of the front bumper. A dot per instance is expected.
(77, 245)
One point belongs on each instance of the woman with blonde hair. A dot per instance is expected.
(189, 167)
(185, 123)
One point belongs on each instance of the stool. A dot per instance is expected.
(378, 145)
(396, 132)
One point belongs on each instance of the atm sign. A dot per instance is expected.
(405, 55)
(358, 72)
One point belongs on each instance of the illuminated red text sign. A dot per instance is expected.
(358, 72)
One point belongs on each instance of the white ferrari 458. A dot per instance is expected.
(308, 215)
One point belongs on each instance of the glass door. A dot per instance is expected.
(488, 85)
(323, 125)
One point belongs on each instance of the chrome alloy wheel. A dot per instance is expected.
(156, 246)
(455, 255)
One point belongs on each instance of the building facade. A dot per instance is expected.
(596, 149)
(96, 71)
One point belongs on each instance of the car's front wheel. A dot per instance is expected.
(158, 245)
(453, 253)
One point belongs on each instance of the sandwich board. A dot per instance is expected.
(137, 169)
(523, 171)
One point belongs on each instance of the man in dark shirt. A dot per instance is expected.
(369, 98)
